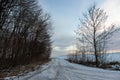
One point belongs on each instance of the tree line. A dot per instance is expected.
(25, 33)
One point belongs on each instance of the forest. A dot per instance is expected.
(25, 33)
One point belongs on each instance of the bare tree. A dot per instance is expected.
(82, 49)
(25, 33)
(94, 32)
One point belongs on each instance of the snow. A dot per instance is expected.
(59, 69)
(113, 57)
(110, 57)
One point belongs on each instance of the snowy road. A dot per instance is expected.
(62, 70)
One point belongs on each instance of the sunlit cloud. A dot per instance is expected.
(112, 8)
(71, 47)
(57, 48)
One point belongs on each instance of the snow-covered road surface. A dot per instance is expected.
(59, 69)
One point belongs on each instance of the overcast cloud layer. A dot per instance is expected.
(65, 15)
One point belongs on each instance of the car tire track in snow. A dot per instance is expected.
(59, 69)
(84, 74)
(69, 75)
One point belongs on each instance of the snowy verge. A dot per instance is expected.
(58, 69)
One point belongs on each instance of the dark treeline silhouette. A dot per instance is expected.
(25, 32)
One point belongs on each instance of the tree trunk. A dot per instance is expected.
(96, 59)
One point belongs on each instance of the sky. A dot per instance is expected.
(65, 16)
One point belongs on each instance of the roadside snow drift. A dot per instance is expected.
(59, 69)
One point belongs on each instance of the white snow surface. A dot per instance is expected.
(59, 69)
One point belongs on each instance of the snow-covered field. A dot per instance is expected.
(59, 69)
(111, 57)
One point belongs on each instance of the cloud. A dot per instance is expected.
(57, 48)
(58, 51)
(112, 8)
(71, 47)
(65, 14)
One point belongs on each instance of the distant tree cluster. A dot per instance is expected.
(25, 32)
